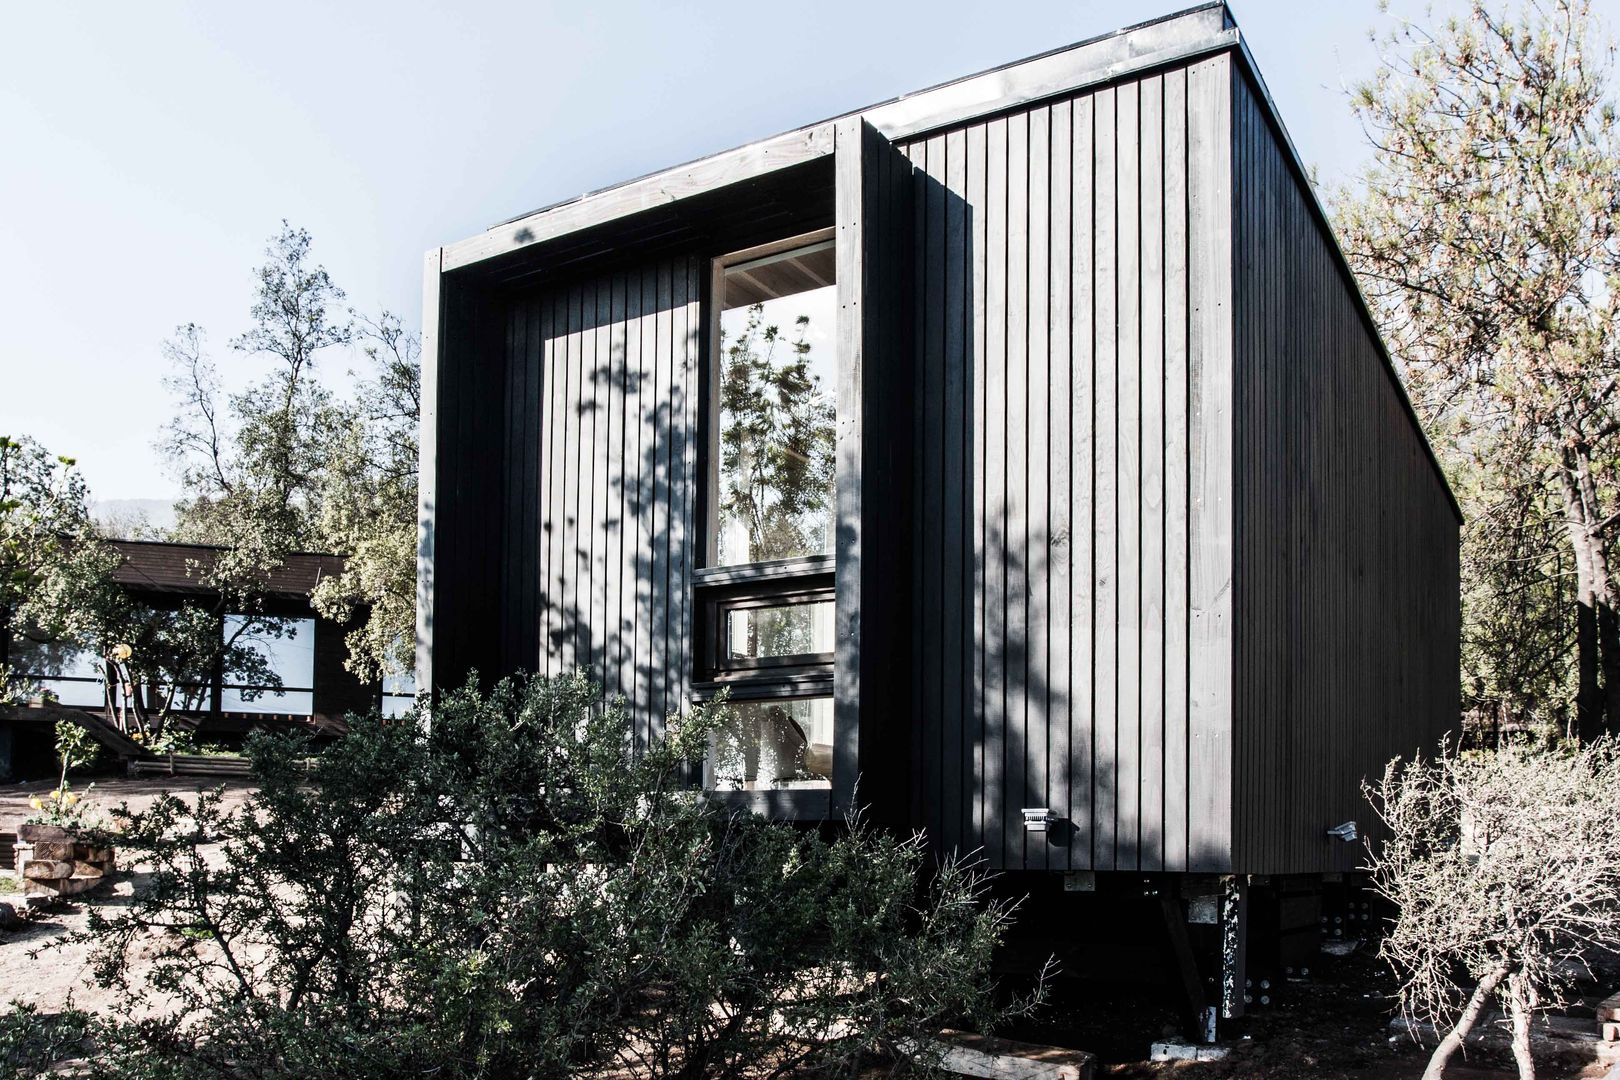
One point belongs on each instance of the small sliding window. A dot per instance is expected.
(765, 596)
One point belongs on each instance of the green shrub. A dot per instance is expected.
(501, 891)
(31, 1042)
(75, 749)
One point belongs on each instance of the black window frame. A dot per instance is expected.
(718, 589)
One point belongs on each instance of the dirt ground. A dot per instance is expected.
(109, 793)
(1333, 1027)
(54, 977)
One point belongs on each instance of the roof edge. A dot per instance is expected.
(122, 540)
(1206, 28)
(1211, 7)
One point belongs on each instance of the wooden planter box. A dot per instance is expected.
(190, 765)
(55, 861)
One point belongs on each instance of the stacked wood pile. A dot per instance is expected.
(1608, 1018)
(53, 861)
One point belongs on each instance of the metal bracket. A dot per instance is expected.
(1039, 818)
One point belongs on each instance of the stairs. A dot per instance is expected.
(121, 745)
(137, 760)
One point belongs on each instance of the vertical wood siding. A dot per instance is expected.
(1143, 532)
(1209, 465)
(1347, 594)
(463, 495)
(599, 420)
(877, 736)
(1062, 254)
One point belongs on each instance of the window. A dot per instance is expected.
(775, 745)
(777, 381)
(776, 622)
(270, 649)
(398, 694)
(765, 597)
(772, 631)
(72, 676)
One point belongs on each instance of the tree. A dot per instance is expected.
(170, 656)
(59, 599)
(1501, 867)
(1484, 235)
(286, 465)
(55, 573)
(508, 893)
(777, 467)
(1518, 636)
(252, 465)
(368, 505)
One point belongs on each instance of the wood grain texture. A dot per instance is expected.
(1054, 441)
(1210, 476)
(1346, 545)
(877, 745)
(428, 466)
(1154, 662)
(1176, 464)
(660, 189)
(1082, 721)
(599, 472)
(465, 467)
(1105, 525)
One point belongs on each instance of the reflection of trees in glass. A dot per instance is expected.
(776, 447)
(176, 653)
(765, 745)
(789, 630)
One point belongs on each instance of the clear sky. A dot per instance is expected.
(148, 150)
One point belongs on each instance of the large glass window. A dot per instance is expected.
(778, 389)
(764, 630)
(283, 678)
(398, 694)
(71, 676)
(766, 596)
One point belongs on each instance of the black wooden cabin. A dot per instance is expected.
(313, 692)
(1096, 530)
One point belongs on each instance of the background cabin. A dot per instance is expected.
(313, 692)
(1083, 518)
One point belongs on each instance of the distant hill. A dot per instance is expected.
(133, 518)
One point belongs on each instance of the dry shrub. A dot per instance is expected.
(1503, 868)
